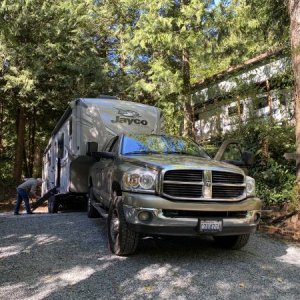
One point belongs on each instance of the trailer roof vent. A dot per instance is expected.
(107, 97)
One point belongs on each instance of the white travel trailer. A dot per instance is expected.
(85, 127)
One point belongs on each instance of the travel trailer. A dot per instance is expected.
(85, 127)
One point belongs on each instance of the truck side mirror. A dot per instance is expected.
(248, 158)
(99, 155)
(107, 155)
(91, 147)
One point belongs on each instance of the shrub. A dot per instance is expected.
(275, 177)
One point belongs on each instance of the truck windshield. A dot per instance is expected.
(160, 144)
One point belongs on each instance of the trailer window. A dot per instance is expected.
(49, 159)
(70, 127)
(60, 146)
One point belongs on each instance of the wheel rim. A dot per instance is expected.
(114, 226)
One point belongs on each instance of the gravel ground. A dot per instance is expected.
(65, 256)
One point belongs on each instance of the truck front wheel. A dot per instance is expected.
(234, 242)
(122, 240)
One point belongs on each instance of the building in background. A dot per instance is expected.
(260, 88)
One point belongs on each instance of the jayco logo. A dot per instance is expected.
(129, 117)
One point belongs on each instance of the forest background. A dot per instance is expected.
(151, 52)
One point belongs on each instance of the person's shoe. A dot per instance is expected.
(16, 213)
(30, 213)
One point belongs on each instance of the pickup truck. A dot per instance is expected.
(156, 184)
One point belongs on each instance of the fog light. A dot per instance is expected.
(144, 216)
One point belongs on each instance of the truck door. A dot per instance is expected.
(231, 152)
(107, 170)
(104, 169)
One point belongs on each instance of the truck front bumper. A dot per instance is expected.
(242, 218)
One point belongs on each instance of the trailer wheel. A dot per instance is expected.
(122, 240)
(233, 242)
(52, 205)
(91, 210)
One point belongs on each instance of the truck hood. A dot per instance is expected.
(175, 161)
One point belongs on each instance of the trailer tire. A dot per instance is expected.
(91, 210)
(233, 242)
(52, 205)
(122, 240)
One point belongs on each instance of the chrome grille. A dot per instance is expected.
(183, 190)
(184, 175)
(225, 192)
(203, 185)
(226, 177)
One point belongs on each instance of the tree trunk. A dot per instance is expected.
(1, 124)
(20, 121)
(294, 11)
(38, 162)
(31, 146)
(270, 100)
(188, 125)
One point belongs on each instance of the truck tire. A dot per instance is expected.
(52, 205)
(91, 210)
(234, 242)
(122, 240)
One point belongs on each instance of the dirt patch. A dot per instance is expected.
(8, 205)
(282, 224)
(290, 235)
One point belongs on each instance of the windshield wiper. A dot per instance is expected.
(142, 152)
(177, 152)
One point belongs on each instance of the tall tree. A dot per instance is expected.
(52, 58)
(167, 36)
(294, 11)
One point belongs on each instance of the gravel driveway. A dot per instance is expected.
(65, 256)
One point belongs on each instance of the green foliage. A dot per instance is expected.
(275, 177)
(173, 117)
(53, 51)
(47, 57)
(275, 182)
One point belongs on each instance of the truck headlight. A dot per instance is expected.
(250, 186)
(139, 180)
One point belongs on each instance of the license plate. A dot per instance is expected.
(210, 225)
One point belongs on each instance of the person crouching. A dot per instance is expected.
(24, 190)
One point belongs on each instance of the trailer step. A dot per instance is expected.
(41, 200)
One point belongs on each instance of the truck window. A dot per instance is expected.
(141, 144)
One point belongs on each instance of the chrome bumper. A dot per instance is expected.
(134, 204)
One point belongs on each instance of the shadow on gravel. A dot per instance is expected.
(65, 256)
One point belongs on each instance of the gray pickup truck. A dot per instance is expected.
(155, 184)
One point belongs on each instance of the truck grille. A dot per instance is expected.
(184, 175)
(194, 184)
(183, 190)
(227, 177)
(226, 192)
